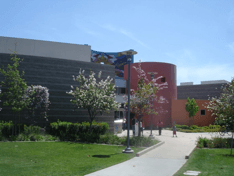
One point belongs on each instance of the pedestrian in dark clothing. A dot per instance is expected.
(160, 125)
(133, 126)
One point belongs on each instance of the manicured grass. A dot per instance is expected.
(58, 158)
(210, 162)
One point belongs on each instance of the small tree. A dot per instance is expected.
(191, 107)
(39, 104)
(97, 98)
(16, 87)
(140, 99)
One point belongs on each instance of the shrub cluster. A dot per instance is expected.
(214, 142)
(6, 128)
(78, 131)
(195, 128)
(28, 133)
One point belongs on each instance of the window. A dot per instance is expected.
(203, 112)
(122, 90)
(163, 79)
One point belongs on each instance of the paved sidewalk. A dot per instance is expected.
(164, 160)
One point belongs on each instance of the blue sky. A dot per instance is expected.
(195, 35)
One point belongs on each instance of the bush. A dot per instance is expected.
(6, 128)
(214, 142)
(193, 127)
(39, 104)
(73, 131)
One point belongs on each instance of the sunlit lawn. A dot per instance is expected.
(210, 162)
(58, 158)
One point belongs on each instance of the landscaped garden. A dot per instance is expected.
(68, 149)
(197, 129)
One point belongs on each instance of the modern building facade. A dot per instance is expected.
(52, 64)
(174, 110)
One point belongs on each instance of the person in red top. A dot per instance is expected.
(160, 125)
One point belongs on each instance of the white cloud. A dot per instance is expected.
(231, 46)
(124, 32)
(90, 32)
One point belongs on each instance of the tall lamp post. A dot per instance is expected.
(128, 54)
(151, 123)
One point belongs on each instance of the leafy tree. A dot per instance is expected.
(97, 98)
(16, 87)
(191, 107)
(39, 104)
(140, 99)
(223, 107)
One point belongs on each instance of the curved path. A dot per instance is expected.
(164, 160)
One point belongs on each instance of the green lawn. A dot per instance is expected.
(58, 158)
(211, 162)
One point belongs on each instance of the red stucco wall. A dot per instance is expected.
(163, 69)
(180, 115)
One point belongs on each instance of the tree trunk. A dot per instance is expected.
(190, 121)
(19, 123)
(139, 132)
(91, 122)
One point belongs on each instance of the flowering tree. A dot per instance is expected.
(191, 107)
(146, 90)
(39, 104)
(97, 98)
(223, 107)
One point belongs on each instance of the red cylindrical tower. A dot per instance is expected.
(168, 71)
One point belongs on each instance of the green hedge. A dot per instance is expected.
(214, 142)
(195, 128)
(78, 131)
(6, 128)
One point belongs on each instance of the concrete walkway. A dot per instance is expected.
(164, 160)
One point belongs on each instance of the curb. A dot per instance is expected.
(189, 154)
(149, 149)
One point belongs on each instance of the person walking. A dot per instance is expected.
(160, 125)
(174, 130)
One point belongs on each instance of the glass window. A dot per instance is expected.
(122, 90)
(163, 79)
(203, 112)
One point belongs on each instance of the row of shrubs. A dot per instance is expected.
(27, 133)
(78, 131)
(214, 142)
(60, 131)
(195, 128)
(63, 130)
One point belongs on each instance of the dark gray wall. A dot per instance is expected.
(56, 75)
(199, 91)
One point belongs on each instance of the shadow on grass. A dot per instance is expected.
(101, 156)
(227, 155)
(105, 156)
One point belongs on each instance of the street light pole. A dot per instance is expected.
(129, 57)
(151, 123)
